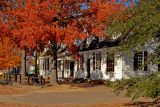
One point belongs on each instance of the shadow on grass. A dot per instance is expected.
(83, 85)
(143, 104)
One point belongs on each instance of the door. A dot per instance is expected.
(88, 68)
(71, 69)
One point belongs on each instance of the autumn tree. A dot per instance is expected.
(9, 52)
(35, 23)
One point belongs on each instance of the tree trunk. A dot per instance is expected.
(53, 74)
(23, 64)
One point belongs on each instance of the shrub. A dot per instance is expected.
(145, 86)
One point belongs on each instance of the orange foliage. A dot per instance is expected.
(35, 22)
(32, 23)
(9, 57)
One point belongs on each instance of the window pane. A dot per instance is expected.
(110, 63)
(140, 59)
(97, 61)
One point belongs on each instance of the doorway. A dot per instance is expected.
(71, 69)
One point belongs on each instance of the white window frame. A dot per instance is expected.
(97, 57)
(140, 66)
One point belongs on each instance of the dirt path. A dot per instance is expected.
(73, 96)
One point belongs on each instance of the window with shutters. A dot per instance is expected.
(110, 63)
(140, 60)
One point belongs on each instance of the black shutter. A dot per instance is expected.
(48, 64)
(83, 62)
(93, 61)
(99, 61)
(135, 62)
(145, 60)
(78, 64)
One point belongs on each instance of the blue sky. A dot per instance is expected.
(126, 3)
